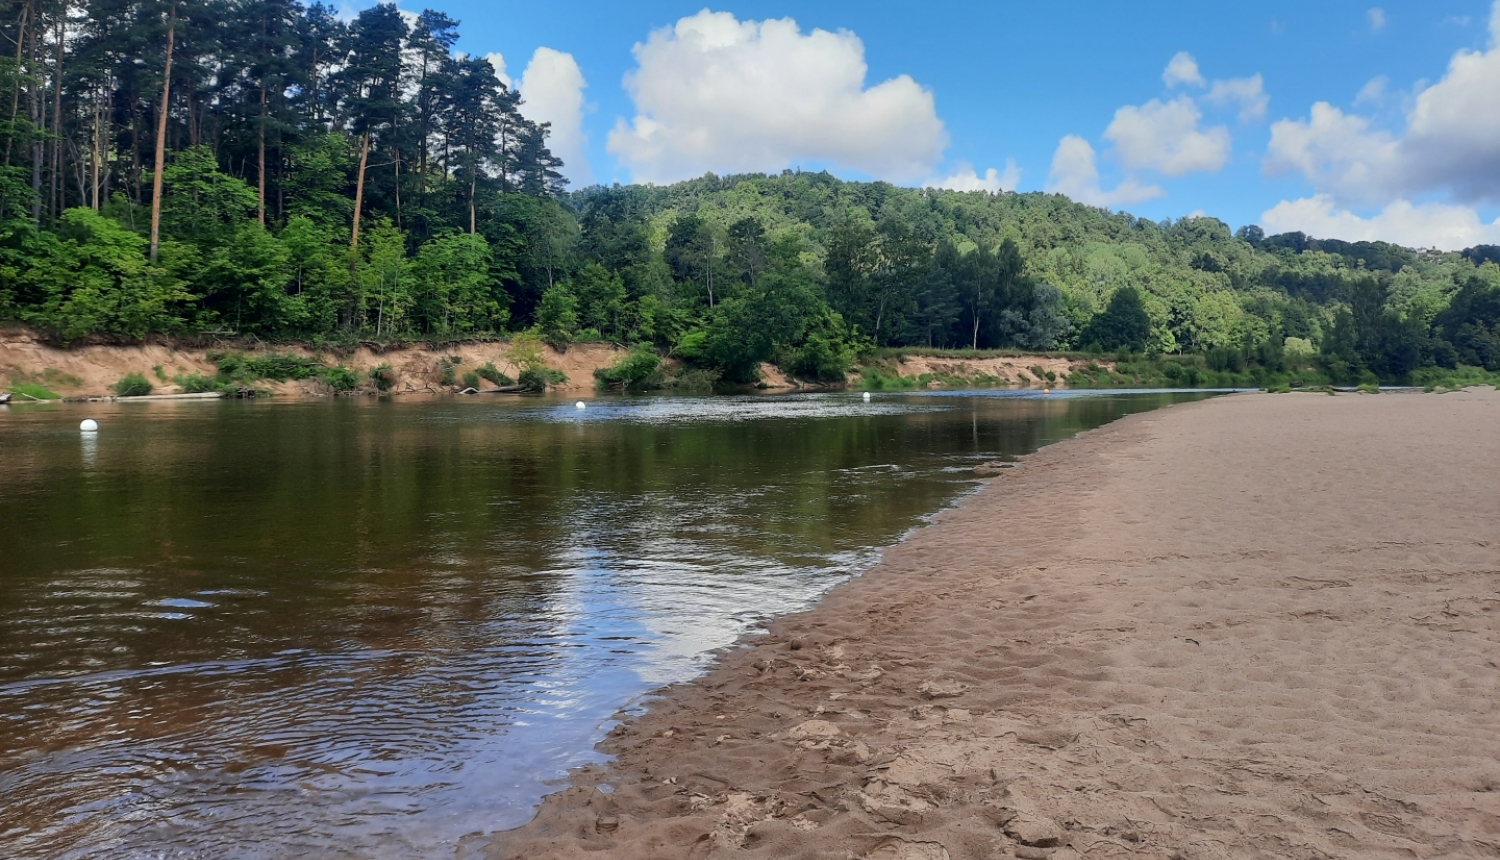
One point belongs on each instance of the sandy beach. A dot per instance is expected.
(1256, 626)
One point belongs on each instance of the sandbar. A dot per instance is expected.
(1254, 626)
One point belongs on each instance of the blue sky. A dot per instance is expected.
(1405, 148)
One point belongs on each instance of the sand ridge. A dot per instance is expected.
(1257, 626)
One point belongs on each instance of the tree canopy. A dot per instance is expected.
(323, 179)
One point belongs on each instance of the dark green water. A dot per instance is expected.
(363, 628)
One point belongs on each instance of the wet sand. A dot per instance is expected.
(1257, 626)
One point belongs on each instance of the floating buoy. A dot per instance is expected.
(1046, 391)
(88, 425)
(867, 397)
(580, 405)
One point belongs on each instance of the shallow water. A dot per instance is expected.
(379, 628)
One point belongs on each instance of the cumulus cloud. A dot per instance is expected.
(497, 60)
(1451, 141)
(965, 179)
(715, 93)
(1183, 69)
(552, 91)
(1075, 173)
(1426, 225)
(1164, 136)
(1376, 17)
(1249, 93)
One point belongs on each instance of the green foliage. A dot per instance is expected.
(489, 371)
(279, 367)
(35, 391)
(384, 377)
(132, 385)
(341, 378)
(531, 365)
(471, 380)
(1123, 324)
(557, 316)
(197, 383)
(637, 370)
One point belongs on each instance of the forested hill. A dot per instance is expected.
(284, 174)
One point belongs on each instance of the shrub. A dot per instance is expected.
(239, 367)
(133, 385)
(471, 380)
(489, 371)
(384, 377)
(447, 369)
(638, 369)
(197, 383)
(534, 374)
(341, 378)
(538, 378)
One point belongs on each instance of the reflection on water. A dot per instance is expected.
(373, 628)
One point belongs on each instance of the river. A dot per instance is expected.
(382, 628)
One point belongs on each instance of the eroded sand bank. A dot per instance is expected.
(1258, 626)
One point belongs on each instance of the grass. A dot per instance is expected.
(35, 390)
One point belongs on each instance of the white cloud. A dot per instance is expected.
(1376, 17)
(498, 61)
(1183, 69)
(1164, 136)
(1075, 173)
(1249, 93)
(965, 179)
(1373, 92)
(716, 93)
(1451, 141)
(552, 91)
(1425, 225)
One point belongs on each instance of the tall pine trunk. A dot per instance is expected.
(260, 173)
(55, 203)
(359, 199)
(161, 139)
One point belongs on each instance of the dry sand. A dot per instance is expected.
(1258, 626)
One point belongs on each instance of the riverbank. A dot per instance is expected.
(92, 369)
(1258, 626)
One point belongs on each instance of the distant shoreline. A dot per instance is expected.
(1240, 627)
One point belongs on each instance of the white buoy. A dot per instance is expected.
(88, 425)
(1046, 391)
(580, 405)
(867, 397)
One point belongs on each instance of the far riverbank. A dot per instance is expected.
(1253, 626)
(92, 369)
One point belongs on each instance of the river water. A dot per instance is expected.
(383, 628)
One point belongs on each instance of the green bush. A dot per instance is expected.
(197, 383)
(341, 378)
(133, 385)
(471, 380)
(637, 370)
(239, 367)
(448, 370)
(384, 377)
(538, 378)
(489, 371)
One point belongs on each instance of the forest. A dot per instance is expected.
(265, 168)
